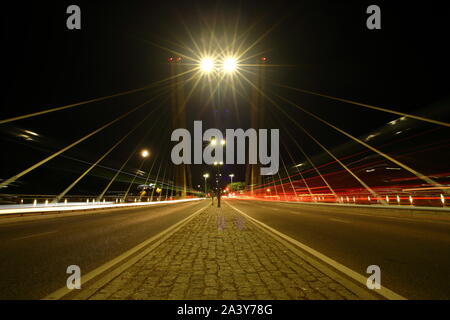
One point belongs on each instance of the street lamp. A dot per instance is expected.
(207, 65)
(231, 177)
(206, 176)
(230, 65)
(218, 174)
(145, 153)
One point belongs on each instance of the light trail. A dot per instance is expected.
(83, 206)
(416, 173)
(427, 179)
(358, 167)
(366, 151)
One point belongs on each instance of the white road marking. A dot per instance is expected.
(35, 235)
(339, 220)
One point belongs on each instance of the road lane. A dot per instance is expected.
(413, 253)
(35, 235)
(36, 253)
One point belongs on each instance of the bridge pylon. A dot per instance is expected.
(183, 176)
(257, 113)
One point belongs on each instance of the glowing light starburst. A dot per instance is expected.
(230, 65)
(207, 64)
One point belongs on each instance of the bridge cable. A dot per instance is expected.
(62, 194)
(301, 149)
(441, 123)
(38, 164)
(133, 152)
(315, 140)
(404, 166)
(34, 114)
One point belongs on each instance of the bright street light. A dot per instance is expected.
(206, 176)
(231, 177)
(145, 153)
(229, 65)
(207, 65)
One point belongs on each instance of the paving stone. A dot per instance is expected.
(235, 261)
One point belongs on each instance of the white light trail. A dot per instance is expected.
(11, 209)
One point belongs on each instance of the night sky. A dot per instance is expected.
(324, 46)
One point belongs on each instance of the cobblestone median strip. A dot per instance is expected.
(221, 255)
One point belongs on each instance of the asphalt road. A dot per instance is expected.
(35, 252)
(413, 251)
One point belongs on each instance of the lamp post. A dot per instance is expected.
(144, 154)
(218, 68)
(217, 164)
(231, 177)
(218, 176)
(206, 176)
